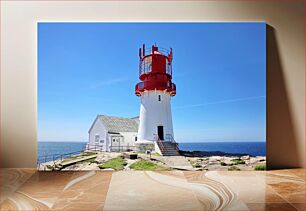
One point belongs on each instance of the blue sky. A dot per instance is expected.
(85, 69)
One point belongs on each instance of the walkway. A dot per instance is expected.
(175, 162)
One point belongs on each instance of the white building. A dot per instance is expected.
(111, 134)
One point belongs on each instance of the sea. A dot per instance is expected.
(48, 150)
(250, 148)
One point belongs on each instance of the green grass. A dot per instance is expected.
(91, 160)
(233, 162)
(238, 161)
(260, 167)
(196, 165)
(82, 155)
(153, 154)
(145, 165)
(89, 153)
(50, 167)
(233, 168)
(225, 164)
(72, 158)
(115, 163)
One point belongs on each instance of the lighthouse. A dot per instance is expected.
(155, 90)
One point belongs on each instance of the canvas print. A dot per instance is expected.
(151, 96)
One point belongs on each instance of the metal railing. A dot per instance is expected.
(54, 158)
(60, 157)
(145, 64)
(119, 148)
(159, 143)
(146, 67)
(126, 148)
(168, 138)
(94, 147)
(161, 50)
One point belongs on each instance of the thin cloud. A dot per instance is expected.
(223, 102)
(109, 82)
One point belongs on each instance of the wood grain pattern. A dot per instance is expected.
(24, 189)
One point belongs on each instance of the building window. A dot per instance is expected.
(97, 137)
(101, 141)
(136, 138)
(114, 140)
(159, 98)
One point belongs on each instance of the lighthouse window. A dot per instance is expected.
(159, 98)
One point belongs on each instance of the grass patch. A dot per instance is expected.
(143, 153)
(89, 153)
(238, 161)
(233, 168)
(145, 165)
(71, 158)
(155, 154)
(83, 155)
(196, 165)
(233, 162)
(260, 167)
(225, 164)
(50, 167)
(115, 163)
(91, 160)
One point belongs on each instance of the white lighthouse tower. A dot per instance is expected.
(155, 91)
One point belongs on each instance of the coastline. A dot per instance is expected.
(216, 161)
(253, 148)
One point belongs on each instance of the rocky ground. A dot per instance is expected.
(102, 157)
(224, 162)
(227, 162)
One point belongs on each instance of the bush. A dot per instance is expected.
(260, 167)
(115, 163)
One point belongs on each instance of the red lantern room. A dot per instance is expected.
(155, 70)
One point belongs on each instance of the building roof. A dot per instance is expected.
(119, 124)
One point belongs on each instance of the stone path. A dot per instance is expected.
(175, 162)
